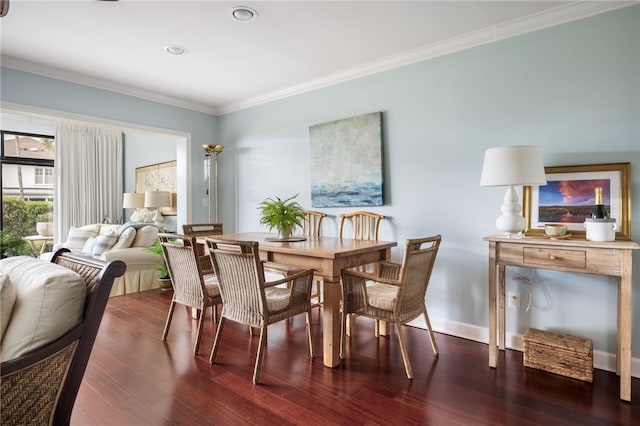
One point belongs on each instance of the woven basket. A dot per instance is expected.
(557, 353)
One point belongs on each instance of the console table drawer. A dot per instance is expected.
(545, 257)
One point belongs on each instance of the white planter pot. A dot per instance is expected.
(44, 229)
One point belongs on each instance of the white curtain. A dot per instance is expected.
(89, 182)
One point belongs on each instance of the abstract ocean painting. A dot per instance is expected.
(346, 162)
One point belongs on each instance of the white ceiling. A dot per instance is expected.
(290, 48)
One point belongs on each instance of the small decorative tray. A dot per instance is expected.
(285, 240)
(558, 237)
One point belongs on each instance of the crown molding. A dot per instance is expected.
(560, 15)
(98, 83)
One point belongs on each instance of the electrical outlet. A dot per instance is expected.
(205, 202)
(514, 300)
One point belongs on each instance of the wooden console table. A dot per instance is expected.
(570, 255)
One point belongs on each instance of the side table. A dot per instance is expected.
(32, 240)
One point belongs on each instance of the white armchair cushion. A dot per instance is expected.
(382, 296)
(145, 236)
(104, 242)
(126, 239)
(7, 300)
(278, 298)
(49, 302)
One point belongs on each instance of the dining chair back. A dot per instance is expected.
(395, 294)
(364, 225)
(311, 226)
(249, 300)
(202, 230)
(191, 286)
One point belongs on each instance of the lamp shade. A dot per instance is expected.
(157, 199)
(133, 200)
(513, 165)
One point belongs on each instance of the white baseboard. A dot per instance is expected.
(601, 360)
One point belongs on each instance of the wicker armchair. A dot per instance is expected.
(202, 230)
(249, 300)
(191, 286)
(397, 294)
(40, 387)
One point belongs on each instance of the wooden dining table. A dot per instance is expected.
(327, 256)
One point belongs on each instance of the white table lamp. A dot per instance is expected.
(157, 199)
(509, 166)
(134, 200)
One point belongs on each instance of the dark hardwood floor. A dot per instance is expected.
(134, 378)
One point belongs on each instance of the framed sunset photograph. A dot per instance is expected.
(569, 195)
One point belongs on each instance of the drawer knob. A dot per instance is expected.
(553, 257)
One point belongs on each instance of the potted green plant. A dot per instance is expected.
(164, 279)
(283, 215)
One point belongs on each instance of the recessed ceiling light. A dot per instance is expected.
(243, 14)
(174, 49)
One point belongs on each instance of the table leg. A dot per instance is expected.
(493, 350)
(625, 311)
(501, 312)
(331, 323)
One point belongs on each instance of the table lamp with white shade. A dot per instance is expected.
(510, 166)
(134, 200)
(157, 199)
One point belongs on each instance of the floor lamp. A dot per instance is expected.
(208, 151)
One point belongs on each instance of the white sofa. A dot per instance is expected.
(128, 243)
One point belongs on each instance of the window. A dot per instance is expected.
(44, 176)
(27, 162)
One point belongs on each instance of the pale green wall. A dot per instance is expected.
(573, 89)
(39, 92)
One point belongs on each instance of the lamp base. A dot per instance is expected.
(158, 219)
(511, 223)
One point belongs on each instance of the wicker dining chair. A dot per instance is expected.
(312, 227)
(203, 230)
(397, 293)
(312, 224)
(191, 286)
(249, 300)
(364, 226)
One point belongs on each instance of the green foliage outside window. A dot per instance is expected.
(11, 245)
(19, 217)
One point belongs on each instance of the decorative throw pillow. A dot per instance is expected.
(104, 242)
(145, 236)
(126, 239)
(105, 228)
(49, 302)
(7, 300)
(78, 237)
(88, 247)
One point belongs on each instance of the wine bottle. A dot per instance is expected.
(599, 210)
